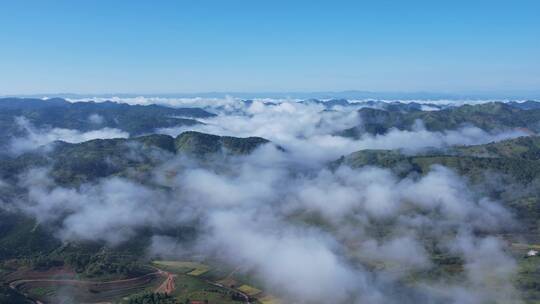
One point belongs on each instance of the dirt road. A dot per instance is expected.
(168, 285)
(14, 284)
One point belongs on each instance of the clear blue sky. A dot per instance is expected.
(227, 45)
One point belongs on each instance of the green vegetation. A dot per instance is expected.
(528, 279)
(152, 298)
(249, 290)
(525, 148)
(518, 158)
(9, 296)
(73, 164)
(514, 162)
(487, 116)
(269, 300)
(194, 282)
(191, 268)
(22, 237)
(58, 113)
(201, 145)
(193, 288)
(104, 264)
(42, 291)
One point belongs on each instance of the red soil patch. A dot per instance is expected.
(168, 285)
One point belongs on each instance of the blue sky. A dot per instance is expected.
(228, 45)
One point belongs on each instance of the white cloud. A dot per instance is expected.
(36, 137)
(307, 233)
(96, 119)
(258, 215)
(306, 131)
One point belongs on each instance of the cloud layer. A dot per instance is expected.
(308, 233)
(310, 236)
(36, 137)
(307, 130)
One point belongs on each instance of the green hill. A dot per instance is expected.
(81, 162)
(87, 116)
(201, 144)
(527, 148)
(508, 171)
(73, 164)
(519, 157)
(488, 116)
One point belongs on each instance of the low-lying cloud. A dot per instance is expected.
(308, 233)
(36, 137)
(308, 131)
(309, 236)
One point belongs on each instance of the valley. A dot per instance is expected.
(275, 202)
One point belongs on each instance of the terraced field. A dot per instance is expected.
(199, 282)
(58, 286)
(184, 280)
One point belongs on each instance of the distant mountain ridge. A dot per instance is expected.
(87, 116)
(487, 116)
(347, 94)
(507, 172)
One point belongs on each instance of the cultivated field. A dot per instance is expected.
(197, 281)
(191, 268)
(59, 285)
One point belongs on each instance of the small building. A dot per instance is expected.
(532, 253)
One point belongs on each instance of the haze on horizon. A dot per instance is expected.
(279, 46)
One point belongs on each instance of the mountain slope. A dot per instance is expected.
(87, 116)
(201, 144)
(76, 163)
(519, 157)
(508, 171)
(488, 116)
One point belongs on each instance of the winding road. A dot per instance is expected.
(167, 286)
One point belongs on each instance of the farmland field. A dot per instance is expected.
(249, 290)
(191, 268)
(58, 285)
(197, 281)
(269, 300)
